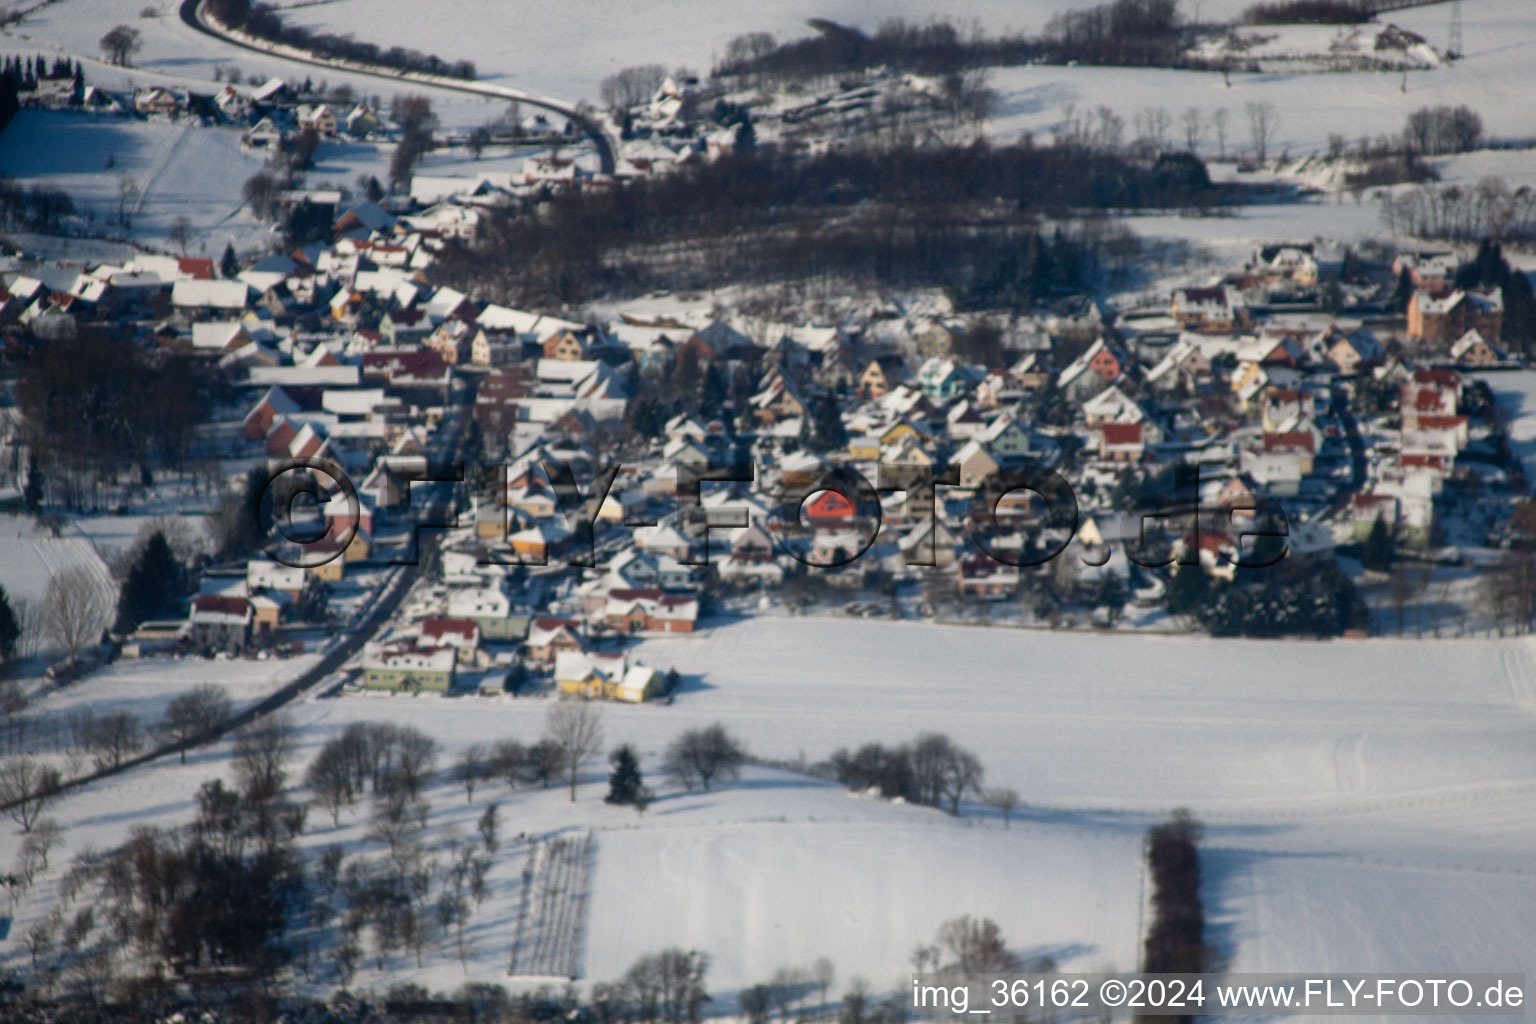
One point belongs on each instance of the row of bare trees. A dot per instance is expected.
(1490, 209)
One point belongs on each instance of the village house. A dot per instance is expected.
(978, 576)
(157, 101)
(220, 623)
(319, 118)
(1122, 442)
(490, 609)
(651, 611)
(461, 634)
(1216, 309)
(550, 637)
(404, 667)
(1441, 317)
(1430, 393)
(881, 374)
(605, 677)
(1428, 270)
(1472, 349)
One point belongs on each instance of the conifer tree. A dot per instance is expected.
(625, 785)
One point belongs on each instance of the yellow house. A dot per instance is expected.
(900, 431)
(333, 571)
(604, 677)
(358, 548)
(865, 448)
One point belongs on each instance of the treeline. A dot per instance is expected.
(1271, 602)
(931, 770)
(265, 21)
(25, 71)
(1138, 33)
(95, 407)
(1489, 209)
(1307, 12)
(20, 74)
(1432, 131)
(1121, 32)
(1175, 942)
(963, 218)
(935, 48)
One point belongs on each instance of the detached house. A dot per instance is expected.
(1122, 442)
(220, 623)
(155, 100)
(882, 374)
(651, 611)
(405, 667)
(605, 677)
(1472, 349)
(1208, 309)
(1441, 317)
(549, 638)
(319, 118)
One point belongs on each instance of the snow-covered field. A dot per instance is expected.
(144, 688)
(30, 556)
(1349, 788)
(1515, 394)
(567, 49)
(180, 170)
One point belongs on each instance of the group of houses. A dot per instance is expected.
(349, 351)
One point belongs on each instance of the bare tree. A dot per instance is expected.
(76, 607)
(1263, 123)
(26, 787)
(1219, 123)
(262, 751)
(46, 835)
(120, 44)
(631, 86)
(699, 756)
(261, 190)
(1005, 800)
(470, 768)
(478, 140)
(127, 192)
(575, 728)
(181, 233)
(193, 716)
(977, 945)
(114, 738)
(1191, 123)
(824, 975)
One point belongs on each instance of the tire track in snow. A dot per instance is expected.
(148, 185)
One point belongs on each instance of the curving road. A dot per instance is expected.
(192, 15)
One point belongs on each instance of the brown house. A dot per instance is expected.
(1442, 317)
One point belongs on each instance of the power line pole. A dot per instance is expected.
(1453, 47)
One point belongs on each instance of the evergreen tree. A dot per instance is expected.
(10, 629)
(1520, 312)
(1404, 291)
(32, 490)
(746, 136)
(827, 428)
(1377, 551)
(152, 586)
(229, 265)
(1111, 594)
(1188, 590)
(624, 783)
